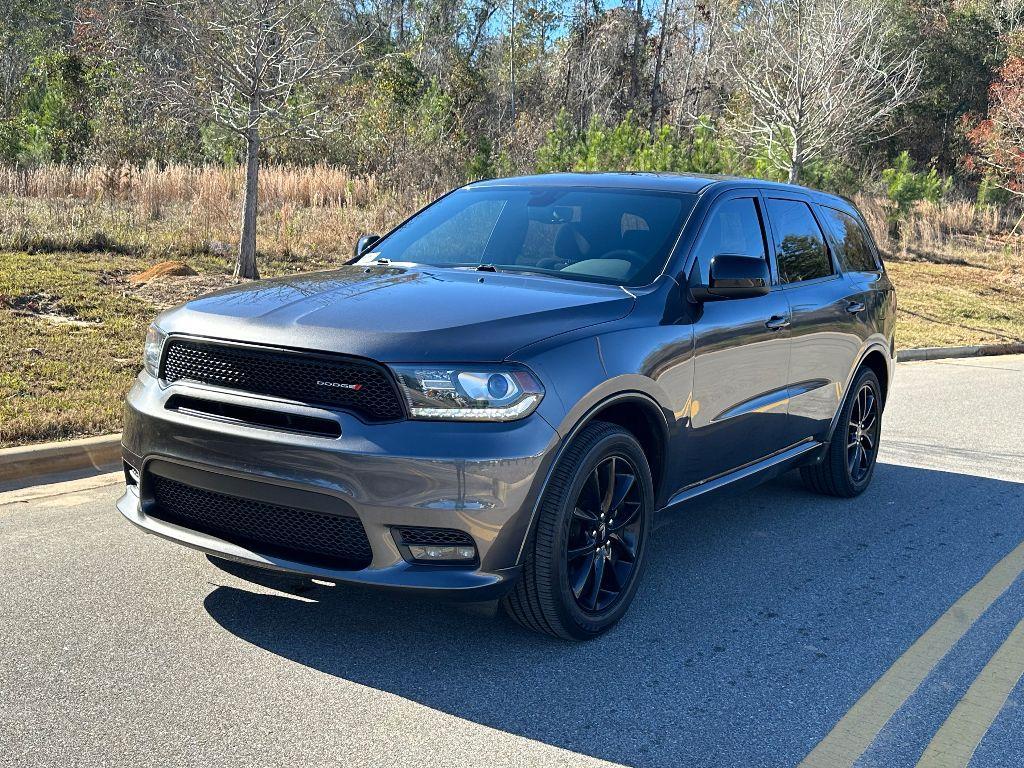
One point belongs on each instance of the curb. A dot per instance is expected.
(29, 461)
(977, 350)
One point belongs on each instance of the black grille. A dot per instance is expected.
(269, 529)
(369, 391)
(434, 536)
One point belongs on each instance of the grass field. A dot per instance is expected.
(71, 327)
(71, 324)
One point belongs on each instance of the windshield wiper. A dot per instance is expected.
(517, 268)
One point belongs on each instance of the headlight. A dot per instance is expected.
(477, 393)
(151, 352)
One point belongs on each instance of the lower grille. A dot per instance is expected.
(269, 529)
(437, 537)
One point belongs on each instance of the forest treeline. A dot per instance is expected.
(917, 100)
(452, 89)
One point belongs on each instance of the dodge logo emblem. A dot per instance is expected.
(339, 384)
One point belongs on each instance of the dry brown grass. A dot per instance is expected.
(313, 212)
(153, 187)
(947, 232)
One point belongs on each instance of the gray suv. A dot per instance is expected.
(495, 399)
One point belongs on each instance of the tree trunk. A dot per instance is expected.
(246, 265)
(634, 65)
(659, 61)
(794, 172)
(512, 63)
(796, 160)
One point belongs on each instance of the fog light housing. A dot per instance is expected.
(447, 553)
(439, 546)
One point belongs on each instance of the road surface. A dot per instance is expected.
(773, 627)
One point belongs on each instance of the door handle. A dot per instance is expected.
(776, 323)
(854, 307)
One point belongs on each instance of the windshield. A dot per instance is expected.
(607, 235)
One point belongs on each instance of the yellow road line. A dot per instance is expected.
(860, 725)
(954, 743)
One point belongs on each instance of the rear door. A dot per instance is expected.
(870, 290)
(822, 304)
(738, 411)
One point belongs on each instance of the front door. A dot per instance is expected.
(741, 354)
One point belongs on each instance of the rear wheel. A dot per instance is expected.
(848, 466)
(585, 554)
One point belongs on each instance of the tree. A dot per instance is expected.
(998, 140)
(257, 70)
(694, 81)
(817, 77)
(906, 186)
(961, 49)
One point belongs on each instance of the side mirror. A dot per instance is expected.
(364, 244)
(732, 277)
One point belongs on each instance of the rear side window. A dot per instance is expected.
(855, 252)
(734, 227)
(799, 243)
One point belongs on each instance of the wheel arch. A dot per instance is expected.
(634, 411)
(641, 416)
(875, 358)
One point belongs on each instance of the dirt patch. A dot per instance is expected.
(46, 307)
(162, 271)
(168, 292)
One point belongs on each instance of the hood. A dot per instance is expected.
(396, 314)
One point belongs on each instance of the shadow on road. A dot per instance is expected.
(762, 619)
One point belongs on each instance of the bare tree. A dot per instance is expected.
(695, 79)
(816, 77)
(256, 67)
(593, 65)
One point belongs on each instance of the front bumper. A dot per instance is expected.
(481, 478)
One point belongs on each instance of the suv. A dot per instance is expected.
(496, 398)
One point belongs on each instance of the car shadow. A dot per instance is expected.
(762, 618)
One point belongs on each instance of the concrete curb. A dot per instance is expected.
(977, 350)
(28, 461)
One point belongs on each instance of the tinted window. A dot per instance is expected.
(614, 236)
(734, 227)
(855, 253)
(799, 244)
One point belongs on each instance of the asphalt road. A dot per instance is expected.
(771, 623)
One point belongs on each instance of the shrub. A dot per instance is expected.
(906, 186)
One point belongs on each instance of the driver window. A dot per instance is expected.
(734, 227)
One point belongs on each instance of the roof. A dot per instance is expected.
(670, 182)
(675, 182)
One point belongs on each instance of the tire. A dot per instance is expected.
(834, 475)
(549, 596)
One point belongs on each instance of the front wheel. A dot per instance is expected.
(848, 466)
(585, 553)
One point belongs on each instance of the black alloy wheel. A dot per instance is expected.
(848, 464)
(862, 433)
(604, 534)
